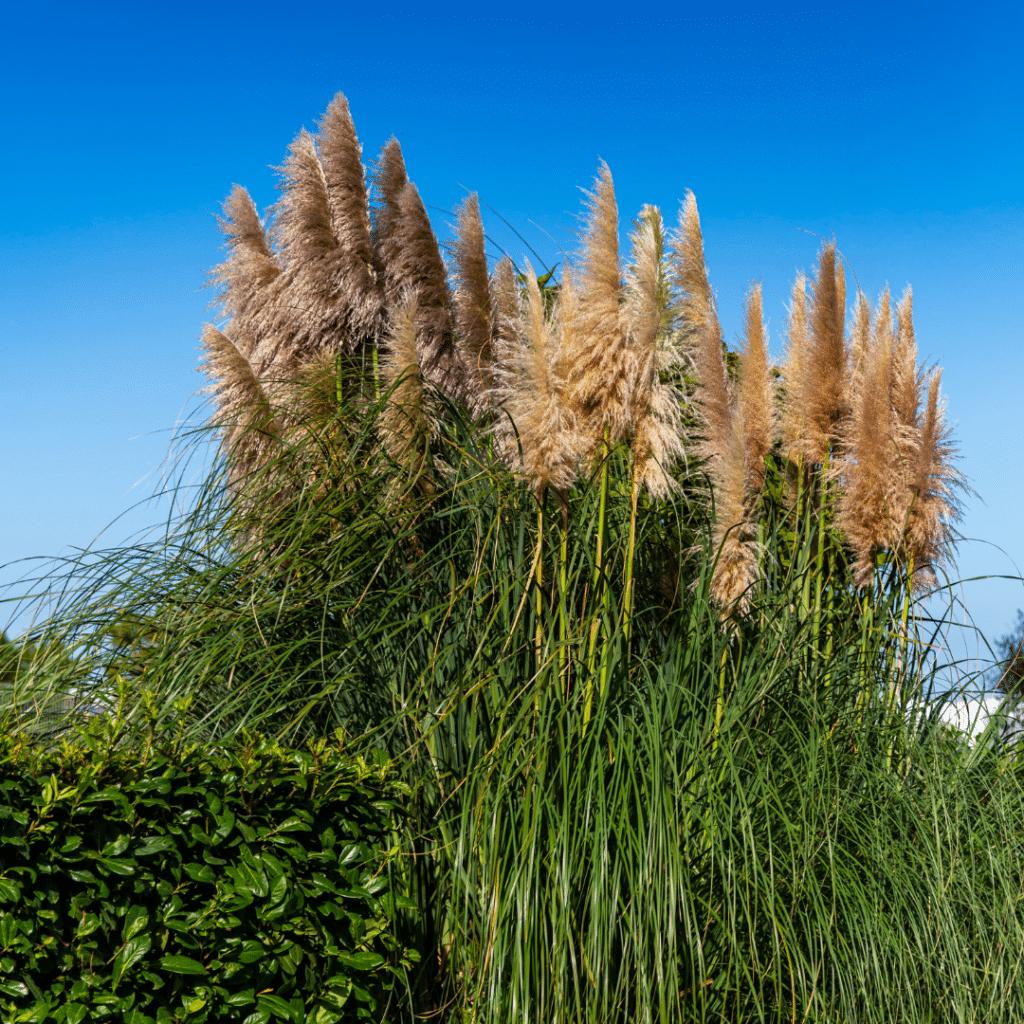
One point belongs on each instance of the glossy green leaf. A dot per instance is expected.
(278, 1008)
(181, 965)
(135, 920)
(361, 961)
(133, 951)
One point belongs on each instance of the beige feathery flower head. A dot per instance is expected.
(598, 365)
(860, 344)
(251, 268)
(794, 415)
(735, 546)
(549, 444)
(865, 514)
(388, 180)
(756, 392)
(473, 298)
(657, 423)
(824, 371)
(504, 309)
(407, 422)
(935, 485)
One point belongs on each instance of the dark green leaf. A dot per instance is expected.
(362, 961)
(181, 965)
(133, 951)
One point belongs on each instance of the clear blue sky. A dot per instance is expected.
(897, 127)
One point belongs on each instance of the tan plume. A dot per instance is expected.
(504, 309)
(824, 395)
(248, 273)
(756, 393)
(794, 414)
(737, 566)
(598, 365)
(860, 344)
(657, 425)
(473, 298)
(388, 182)
(248, 428)
(935, 483)
(420, 268)
(406, 423)
(699, 320)
(866, 514)
(550, 446)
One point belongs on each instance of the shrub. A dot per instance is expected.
(250, 883)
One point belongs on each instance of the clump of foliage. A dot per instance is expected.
(199, 884)
(636, 618)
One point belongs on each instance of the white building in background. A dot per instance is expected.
(972, 715)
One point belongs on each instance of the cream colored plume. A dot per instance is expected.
(699, 323)
(723, 443)
(657, 426)
(504, 309)
(388, 181)
(598, 363)
(935, 482)
(407, 423)
(734, 539)
(756, 393)
(473, 299)
(823, 394)
(246, 277)
(794, 414)
(860, 344)
(865, 513)
(330, 299)
(549, 445)
(248, 428)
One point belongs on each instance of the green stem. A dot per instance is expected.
(599, 583)
(627, 603)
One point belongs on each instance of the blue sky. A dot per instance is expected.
(895, 127)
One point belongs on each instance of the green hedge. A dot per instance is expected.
(246, 884)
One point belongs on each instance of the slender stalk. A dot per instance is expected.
(600, 585)
(627, 600)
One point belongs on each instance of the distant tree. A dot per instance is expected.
(1011, 664)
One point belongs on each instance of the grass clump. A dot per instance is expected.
(637, 617)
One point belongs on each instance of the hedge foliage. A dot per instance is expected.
(252, 884)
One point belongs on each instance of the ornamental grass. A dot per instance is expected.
(640, 618)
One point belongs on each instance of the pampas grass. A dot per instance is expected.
(472, 300)
(598, 361)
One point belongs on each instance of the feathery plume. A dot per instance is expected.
(418, 266)
(349, 281)
(599, 363)
(689, 277)
(550, 444)
(723, 445)
(935, 481)
(700, 325)
(735, 546)
(472, 296)
(248, 428)
(406, 424)
(860, 343)
(250, 269)
(907, 379)
(794, 424)
(823, 378)
(865, 514)
(794, 416)
(388, 180)
(504, 308)
(756, 393)
(657, 421)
